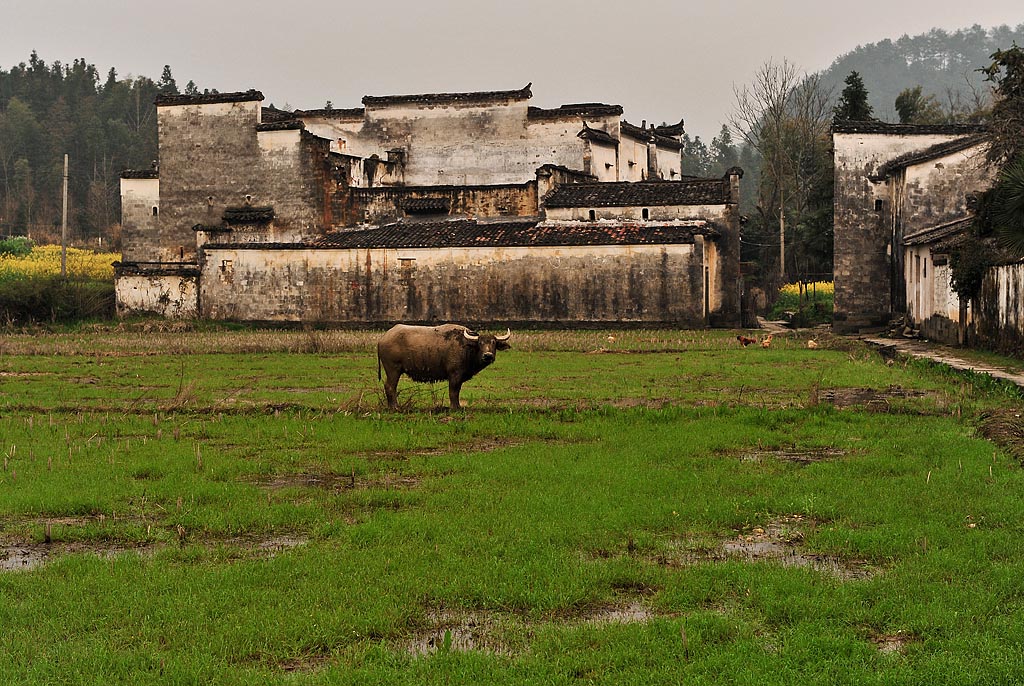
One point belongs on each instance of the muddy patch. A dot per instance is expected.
(795, 455)
(339, 482)
(894, 644)
(23, 557)
(504, 633)
(877, 400)
(458, 631)
(779, 541)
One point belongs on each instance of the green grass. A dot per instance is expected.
(254, 515)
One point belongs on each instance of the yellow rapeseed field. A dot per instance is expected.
(818, 287)
(44, 260)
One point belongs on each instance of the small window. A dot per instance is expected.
(645, 213)
(155, 210)
(593, 215)
(878, 205)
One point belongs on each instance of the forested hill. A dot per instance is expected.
(103, 124)
(943, 63)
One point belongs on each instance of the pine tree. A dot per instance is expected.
(167, 84)
(853, 103)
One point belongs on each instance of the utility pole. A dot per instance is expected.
(782, 239)
(64, 225)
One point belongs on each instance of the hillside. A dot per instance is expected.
(943, 63)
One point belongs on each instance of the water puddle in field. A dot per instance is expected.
(894, 644)
(871, 398)
(779, 541)
(794, 455)
(467, 630)
(23, 557)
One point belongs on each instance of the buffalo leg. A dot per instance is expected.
(454, 387)
(391, 389)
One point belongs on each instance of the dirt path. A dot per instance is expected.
(943, 355)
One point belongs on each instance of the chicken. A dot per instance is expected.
(812, 344)
(745, 341)
(766, 342)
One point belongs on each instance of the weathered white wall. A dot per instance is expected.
(669, 163)
(655, 213)
(632, 159)
(174, 297)
(656, 284)
(140, 217)
(864, 250)
(465, 144)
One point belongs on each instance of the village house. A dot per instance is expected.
(472, 207)
(903, 201)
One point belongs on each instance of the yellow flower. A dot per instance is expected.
(44, 260)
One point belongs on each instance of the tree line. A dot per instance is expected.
(103, 124)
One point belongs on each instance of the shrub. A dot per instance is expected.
(16, 246)
(40, 299)
(812, 306)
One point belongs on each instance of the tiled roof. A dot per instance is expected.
(575, 111)
(248, 215)
(271, 114)
(140, 174)
(939, 232)
(579, 173)
(471, 233)
(598, 135)
(929, 153)
(666, 142)
(349, 113)
(672, 130)
(250, 95)
(426, 205)
(640, 194)
(627, 129)
(904, 129)
(288, 125)
(448, 98)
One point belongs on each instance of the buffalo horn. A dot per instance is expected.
(508, 335)
(470, 336)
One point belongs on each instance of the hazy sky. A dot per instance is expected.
(660, 60)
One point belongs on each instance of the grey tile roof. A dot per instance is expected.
(519, 233)
(640, 194)
(140, 174)
(248, 215)
(285, 125)
(932, 234)
(627, 129)
(929, 153)
(575, 111)
(250, 95)
(904, 129)
(598, 135)
(347, 113)
(479, 97)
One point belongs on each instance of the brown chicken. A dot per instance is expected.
(745, 341)
(766, 342)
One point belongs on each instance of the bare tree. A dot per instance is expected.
(785, 115)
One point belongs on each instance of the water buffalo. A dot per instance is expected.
(435, 353)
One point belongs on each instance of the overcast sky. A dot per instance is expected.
(659, 59)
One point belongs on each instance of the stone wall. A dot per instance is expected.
(174, 296)
(650, 285)
(865, 269)
(386, 204)
(140, 215)
(999, 319)
(212, 157)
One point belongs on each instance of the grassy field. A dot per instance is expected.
(182, 506)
